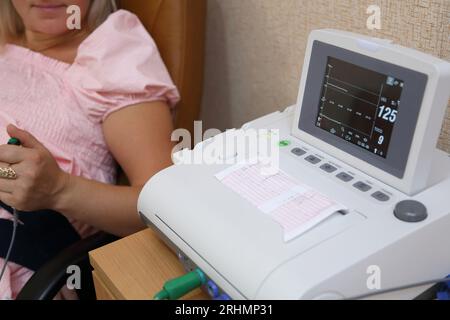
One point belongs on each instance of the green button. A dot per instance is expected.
(284, 143)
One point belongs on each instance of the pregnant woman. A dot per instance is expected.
(82, 102)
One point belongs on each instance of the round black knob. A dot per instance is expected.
(410, 211)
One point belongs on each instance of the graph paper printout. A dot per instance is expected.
(295, 206)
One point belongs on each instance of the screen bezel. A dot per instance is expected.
(403, 132)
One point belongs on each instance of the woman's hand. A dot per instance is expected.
(39, 181)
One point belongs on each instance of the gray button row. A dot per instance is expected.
(311, 159)
(343, 176)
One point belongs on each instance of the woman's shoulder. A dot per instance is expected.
(121, 21)
(118, 53)
(119, 64)
(121, 29)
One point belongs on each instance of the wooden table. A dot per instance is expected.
(136, 268)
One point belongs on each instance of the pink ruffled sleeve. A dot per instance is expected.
(119, 65)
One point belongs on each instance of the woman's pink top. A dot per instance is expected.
(64, 105)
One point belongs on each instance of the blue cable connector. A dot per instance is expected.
(213, 289)
(223, 297)
(444, 290)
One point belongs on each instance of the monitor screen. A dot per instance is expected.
(362, 106)
(359, 105)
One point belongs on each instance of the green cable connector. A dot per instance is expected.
(14, 141)
(178, 287)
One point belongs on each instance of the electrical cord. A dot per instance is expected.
(14, 142)
(11, 244)
(404, 287)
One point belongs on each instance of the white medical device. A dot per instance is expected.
(363, 133)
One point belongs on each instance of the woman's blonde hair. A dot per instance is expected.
(11, 25)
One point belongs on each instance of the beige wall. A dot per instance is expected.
(255, 48)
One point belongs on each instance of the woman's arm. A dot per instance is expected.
(139, 139)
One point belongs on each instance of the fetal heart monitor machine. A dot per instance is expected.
(363, 135)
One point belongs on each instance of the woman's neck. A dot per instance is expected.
(59, 47)
(41, 42)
